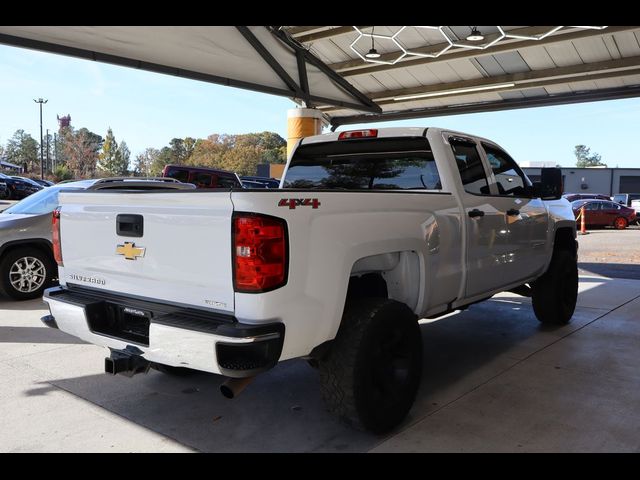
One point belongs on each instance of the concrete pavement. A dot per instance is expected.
(494, 380)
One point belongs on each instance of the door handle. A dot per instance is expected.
(129, 225)
(513, 212)
(476, 213)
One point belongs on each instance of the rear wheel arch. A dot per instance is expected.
(39, 243)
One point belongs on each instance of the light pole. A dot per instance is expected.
(41, 101)
(48, 166)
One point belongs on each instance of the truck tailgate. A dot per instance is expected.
(182, 257)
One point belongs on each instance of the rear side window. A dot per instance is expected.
(474, 178)
(180, 175)
(202, 180)
(372, 164)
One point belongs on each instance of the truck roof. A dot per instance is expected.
(389, 132)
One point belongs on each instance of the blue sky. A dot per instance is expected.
(147, 110)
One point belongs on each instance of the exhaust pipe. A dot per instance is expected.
(232, 387)
(125, 364)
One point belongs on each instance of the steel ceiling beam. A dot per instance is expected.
(367, 103)
(534, 78)
(273, 63)
(510, 104)
(330, 33)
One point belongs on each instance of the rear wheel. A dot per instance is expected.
(26, 272)
(554, 295)
(371, 374)
(620, 223)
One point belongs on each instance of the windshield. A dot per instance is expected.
(44, 201)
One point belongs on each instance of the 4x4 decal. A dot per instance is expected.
(292, 203)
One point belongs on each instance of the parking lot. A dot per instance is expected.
(494, 380)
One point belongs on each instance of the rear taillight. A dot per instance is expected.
(368, 133)
(55, 234)
(259, 253)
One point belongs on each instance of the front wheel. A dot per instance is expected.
(371, 374)
(555, 294)
(26, 272)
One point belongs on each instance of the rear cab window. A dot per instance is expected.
(372, 164)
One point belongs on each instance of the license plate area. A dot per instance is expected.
(118, 321)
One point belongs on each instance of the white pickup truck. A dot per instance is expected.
(370, 231)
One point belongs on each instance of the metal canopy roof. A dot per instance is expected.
(422, 71)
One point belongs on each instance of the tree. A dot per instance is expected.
(123, 155)
(144, 162)
(584, 157)
(61, 172)
(23, 150)
(107, 159)
(81, 152)
(163, 158)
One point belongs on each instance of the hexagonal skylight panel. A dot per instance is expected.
(412, 38)
(382, 44)
(463, 43)
(538, 36)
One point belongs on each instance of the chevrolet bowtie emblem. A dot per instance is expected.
(130, 251)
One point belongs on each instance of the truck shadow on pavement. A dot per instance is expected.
(13, 334)
(282, 410)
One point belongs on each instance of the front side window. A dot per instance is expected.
(509, 178)
(474, 178)
(380, 164)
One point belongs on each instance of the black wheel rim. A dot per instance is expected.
(392, 364)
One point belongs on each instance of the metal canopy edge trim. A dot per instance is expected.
(361, 102)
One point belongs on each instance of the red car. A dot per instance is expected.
(603, 213)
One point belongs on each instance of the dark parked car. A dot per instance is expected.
(19, 188)
(202, 177)
(572, 197)
(43, 182)
(4, 190)
(259, 182)
(604, 213)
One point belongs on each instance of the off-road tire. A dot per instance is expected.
(554, 295)
(371, 374)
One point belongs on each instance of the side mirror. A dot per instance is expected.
(550, 185)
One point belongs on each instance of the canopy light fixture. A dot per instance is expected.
(475, 35)
(372, 53)
(454, 91)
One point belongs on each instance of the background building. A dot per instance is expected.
(607, 181)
